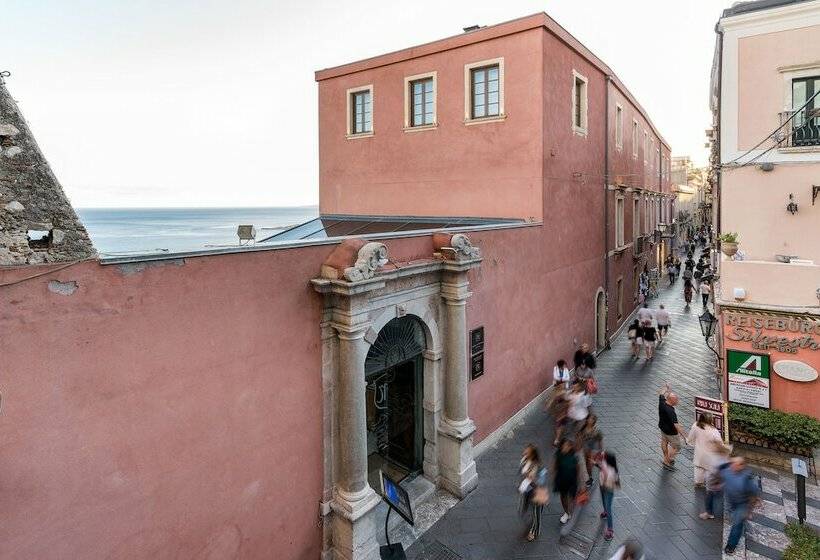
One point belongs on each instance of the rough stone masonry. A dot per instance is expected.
(37, 223)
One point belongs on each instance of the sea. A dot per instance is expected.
(119, 232)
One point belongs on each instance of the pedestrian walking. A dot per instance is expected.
(609, 480)
(635, 334)
(742, 491)
(664, 322)
(584, 356)
(645, 314)
(558, 407)
(714, 485)
(561, 374)
(687, 290)
(632, 549)
(566, 476)
(703, 436)
(533, 488)
(649, 336)
(579, 403)
(705, 291)
(591, 442)
(671, 430)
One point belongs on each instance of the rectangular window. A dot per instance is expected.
(806, 123)
(635, 285)
(360, 105)
(620, 291)
(422, 102)
(636, 219)
(619, 127)
(579, 103)
(646, 208)
(619, 221)
(635, 139)
(485, 91)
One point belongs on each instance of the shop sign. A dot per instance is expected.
(713, 407)
(796, 333)
(795, 371)
(476, 353)
(748, 375)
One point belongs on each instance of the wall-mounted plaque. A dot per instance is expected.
(477, 340)
(477, 365)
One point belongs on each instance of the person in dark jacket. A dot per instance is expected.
(741, 489)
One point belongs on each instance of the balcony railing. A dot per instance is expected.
(802, 131)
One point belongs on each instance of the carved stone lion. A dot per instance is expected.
(463, 248)
(371, 257)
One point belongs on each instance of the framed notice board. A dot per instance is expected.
(748, 378)
(476, 353)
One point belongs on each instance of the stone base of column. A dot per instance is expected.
(457, 470)
(354, 526)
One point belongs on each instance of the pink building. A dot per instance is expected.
(240, 403)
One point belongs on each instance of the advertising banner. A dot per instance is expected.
(748, 375)
(713, 407)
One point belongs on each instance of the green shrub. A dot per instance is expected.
(783, 428)
(729, 237)
(805, 544)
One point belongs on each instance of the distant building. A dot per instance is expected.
(766, 146)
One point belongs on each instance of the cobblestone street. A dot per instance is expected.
(657, 506)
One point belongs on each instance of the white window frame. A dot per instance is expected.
(619, 220)
(468, 97)
(408, 100)
(619, 127)
(349, 115)
(584, 105)
(634, 139)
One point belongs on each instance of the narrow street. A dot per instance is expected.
(657, 506)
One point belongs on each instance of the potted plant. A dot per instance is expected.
(728, 243)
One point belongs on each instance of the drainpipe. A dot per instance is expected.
(716, 199)
(607, 345)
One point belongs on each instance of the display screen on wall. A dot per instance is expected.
(748, 377)
(396, 497)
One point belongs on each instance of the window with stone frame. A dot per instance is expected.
(619, 220)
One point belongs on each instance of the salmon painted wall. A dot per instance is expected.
(762, 90)
(491, 169)
(168, 412)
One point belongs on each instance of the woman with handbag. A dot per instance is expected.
(533, 488)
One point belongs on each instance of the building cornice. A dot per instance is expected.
(792, 14)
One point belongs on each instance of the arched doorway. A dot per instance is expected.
(394, 397)
(600, 320)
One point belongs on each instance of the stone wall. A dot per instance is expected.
(37, 223)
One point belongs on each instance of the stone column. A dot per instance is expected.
(354, 531)
(458, 471)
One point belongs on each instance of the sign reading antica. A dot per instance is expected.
(797, 332)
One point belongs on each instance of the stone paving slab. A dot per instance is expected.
(657, 506)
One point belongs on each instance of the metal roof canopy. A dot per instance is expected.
(338, 225)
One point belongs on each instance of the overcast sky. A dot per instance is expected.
(213, 103)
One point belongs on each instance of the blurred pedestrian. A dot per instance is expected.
(566, 476)
(742, 490)
(687, 291)
(590, 441)
(649, 335)
(610, 480)
(714, 484)
(671, 430)
(632, 549)
(533, 488)
(558, 407)
(702, 436)
(634, 332)
(664, 322)
(705, 291)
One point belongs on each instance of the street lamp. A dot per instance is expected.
(707, 328)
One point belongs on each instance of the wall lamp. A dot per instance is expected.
(792, 205)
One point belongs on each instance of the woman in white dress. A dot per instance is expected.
(704, 436)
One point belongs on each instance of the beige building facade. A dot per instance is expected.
(766, 101)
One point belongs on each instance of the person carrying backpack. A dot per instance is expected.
(742, 490)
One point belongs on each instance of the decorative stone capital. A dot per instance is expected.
(371, 257)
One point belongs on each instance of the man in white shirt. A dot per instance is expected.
(645, 314)
(663, 320)
(705, 290)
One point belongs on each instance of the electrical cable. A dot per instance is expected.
(772, 133)
(21, 280)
